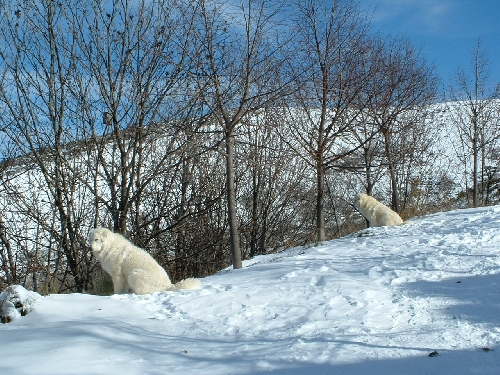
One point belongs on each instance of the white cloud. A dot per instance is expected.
(429, 14)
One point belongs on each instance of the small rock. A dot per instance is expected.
(433, 354)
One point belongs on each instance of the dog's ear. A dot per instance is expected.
(103, 233)
(98, 233)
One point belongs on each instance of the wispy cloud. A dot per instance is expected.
(445, 29)
(428, 14)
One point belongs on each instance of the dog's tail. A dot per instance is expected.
(187, 284)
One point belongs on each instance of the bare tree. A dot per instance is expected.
(65, 65)
(134, 57)
(37, 68)
(271, 188)
(474, 112)
(331, 38)
(400, 83)
(239, 55)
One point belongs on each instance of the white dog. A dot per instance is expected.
(375, 212)
(131, 268)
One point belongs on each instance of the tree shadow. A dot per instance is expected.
(477, 297)
(447, 362)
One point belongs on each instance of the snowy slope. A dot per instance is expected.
(376, 302)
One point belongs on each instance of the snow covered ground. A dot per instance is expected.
(377, 302)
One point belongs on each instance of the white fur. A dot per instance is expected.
(131, 268)
(375, 212)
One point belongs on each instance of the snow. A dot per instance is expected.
(376, 302)
(15, 301)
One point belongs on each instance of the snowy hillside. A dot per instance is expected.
(376, 302)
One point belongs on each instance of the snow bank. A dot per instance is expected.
(378, 302)
(15, 301)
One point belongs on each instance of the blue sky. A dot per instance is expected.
(446, 30)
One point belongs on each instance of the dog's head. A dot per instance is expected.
(97, 239)
(357, 200)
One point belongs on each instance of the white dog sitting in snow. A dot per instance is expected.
(131, 268)
(375, 212)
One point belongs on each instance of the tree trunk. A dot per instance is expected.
(254, 229)
(392, 171)
(8, 262)
(320, 197)
(475, 155)
(234, 237)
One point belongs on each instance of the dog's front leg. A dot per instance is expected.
(120, 284)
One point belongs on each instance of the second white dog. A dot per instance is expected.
(131, 268)
(375, 212)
